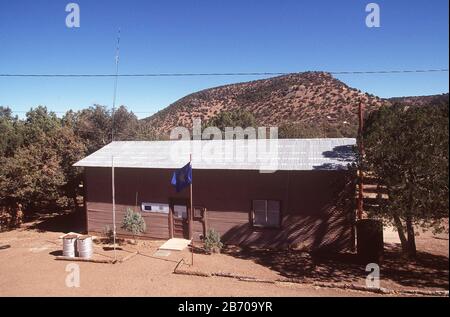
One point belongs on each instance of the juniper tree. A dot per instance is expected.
(407, 149)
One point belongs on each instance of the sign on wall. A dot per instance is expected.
(155, 207)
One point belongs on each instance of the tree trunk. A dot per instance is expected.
(75, 201)
(412, 251)
(401, 233)
(399, 225)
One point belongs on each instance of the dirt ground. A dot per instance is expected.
(28, 268)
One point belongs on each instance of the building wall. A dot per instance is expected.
(316, 206)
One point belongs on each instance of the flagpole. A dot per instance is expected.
(113, 204)
(191, 215)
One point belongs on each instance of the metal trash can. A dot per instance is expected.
(369, 239)
(69, 245)
(84, 247)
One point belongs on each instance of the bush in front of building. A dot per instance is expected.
(133, 223)
(108, 233)
(212, 242)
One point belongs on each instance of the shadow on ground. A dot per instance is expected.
(66, 221)
(427, 271)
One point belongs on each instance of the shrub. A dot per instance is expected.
(133, 222)
(235, 118)
(212, 241)
(108, 233)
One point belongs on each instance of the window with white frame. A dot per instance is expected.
(266, 213)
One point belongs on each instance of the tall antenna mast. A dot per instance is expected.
(115, 83)
(113, 184)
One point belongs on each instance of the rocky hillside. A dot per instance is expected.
(421, 100)
(309, 99)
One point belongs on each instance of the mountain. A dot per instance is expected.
(307, 100)
(421, 100)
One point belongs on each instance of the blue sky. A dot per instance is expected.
(196, 36)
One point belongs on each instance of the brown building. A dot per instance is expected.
(290, 193)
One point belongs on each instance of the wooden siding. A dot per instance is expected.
(316, 206)
(100, 216)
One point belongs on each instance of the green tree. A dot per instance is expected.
(39, 171)
(95, 125)
(319, 129)
(299, 130)
(145, 132)
(70, 149)
(39, 122)
(407, 149)
(235, 118)
(32, 176)
(125, 124)
(10, 131)
(92, 125)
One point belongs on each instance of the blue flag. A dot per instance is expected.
(182, 178)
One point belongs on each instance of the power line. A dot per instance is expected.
(404, 71)
(62, 111)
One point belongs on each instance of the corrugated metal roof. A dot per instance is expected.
(270, 155)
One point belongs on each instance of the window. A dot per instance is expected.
(180, 212)
(266, 213)
(199, 213)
